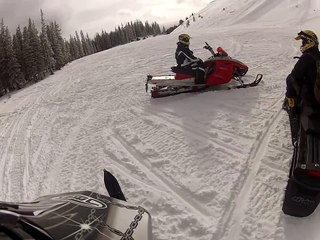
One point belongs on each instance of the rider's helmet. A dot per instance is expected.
(309, 40)
(184, 39)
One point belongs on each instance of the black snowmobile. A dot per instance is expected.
(76, 215)
(302, 194)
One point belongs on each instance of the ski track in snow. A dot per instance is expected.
(12, 163)
(197, 132)
(235, 216)
(152, 173)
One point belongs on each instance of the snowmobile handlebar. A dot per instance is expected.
(220, 51)
(208, 47)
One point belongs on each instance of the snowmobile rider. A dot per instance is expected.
(186, 60)
(301, 80)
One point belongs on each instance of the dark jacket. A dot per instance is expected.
(303, 76)
(184, 56)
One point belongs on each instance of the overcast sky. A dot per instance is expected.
(92, 16)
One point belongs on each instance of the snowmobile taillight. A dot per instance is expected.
(313, 173)
(155, 93)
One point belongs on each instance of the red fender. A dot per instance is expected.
(222, 73)
(181, 76)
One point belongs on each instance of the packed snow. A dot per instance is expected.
(210, 165)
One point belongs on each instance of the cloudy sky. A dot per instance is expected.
(94, 15)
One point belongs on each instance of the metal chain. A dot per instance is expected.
(133, 225)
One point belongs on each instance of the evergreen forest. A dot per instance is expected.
(30, 54)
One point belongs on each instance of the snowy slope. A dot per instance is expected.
(207, 165)
(272, 13)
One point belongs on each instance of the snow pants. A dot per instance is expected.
(198, 70)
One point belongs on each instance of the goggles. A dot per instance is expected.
(302, 35)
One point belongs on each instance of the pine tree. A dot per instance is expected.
(98, 42)
(84, 44)
(4, 84)
(91, 48)
(57, 43)
(155, 28)
(74, 50)
(108, 41)
(38, 64)
(15, 77)
(27, 56)
(68, 55)
(11, 77)
(18, 48)
(46, 49)
(79, 45)
(148, 28)
(120, 36)
(131, 32)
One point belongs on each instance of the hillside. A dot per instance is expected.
(246, 13)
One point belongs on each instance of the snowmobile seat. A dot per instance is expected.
(181, 70)
(182, 73)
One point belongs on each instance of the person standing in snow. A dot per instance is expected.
(300, 82)
(186, 60)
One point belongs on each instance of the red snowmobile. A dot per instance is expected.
(219, 69)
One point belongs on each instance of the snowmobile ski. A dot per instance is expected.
(250, 84)
(301, 197)
(302, 194)
(299, 201)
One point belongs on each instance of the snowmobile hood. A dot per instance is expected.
(75, 215)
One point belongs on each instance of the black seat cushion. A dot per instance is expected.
(181, 70)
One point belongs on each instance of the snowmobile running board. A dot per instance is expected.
(171, 82)
(168, 86)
